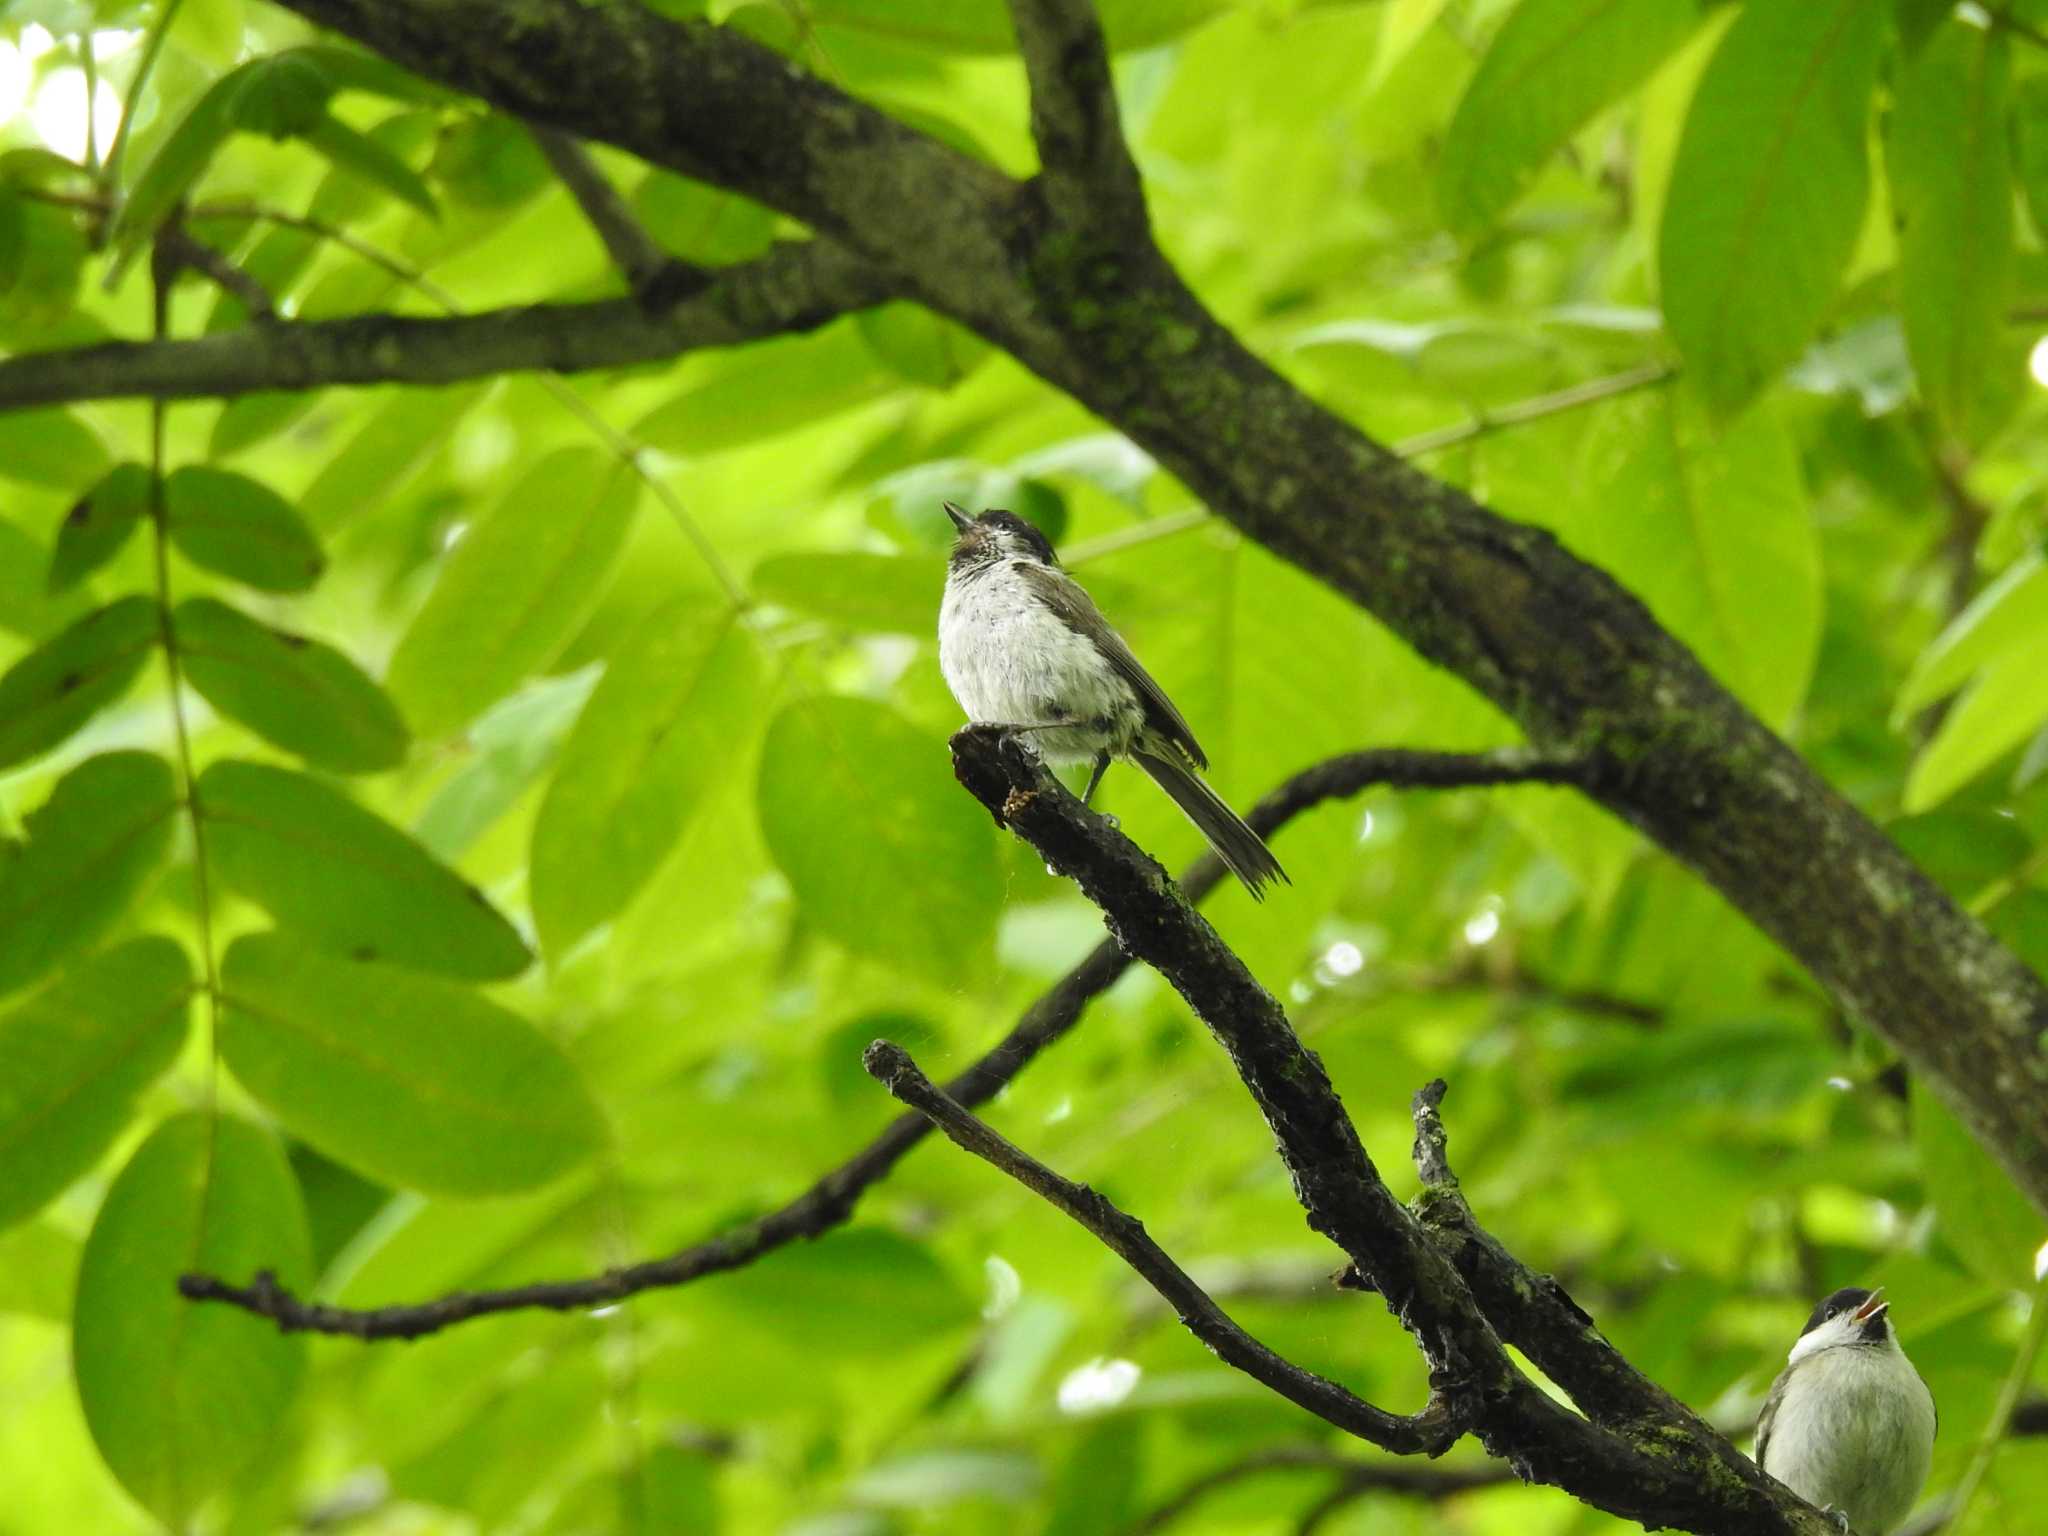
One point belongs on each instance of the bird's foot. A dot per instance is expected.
(1841, 1520)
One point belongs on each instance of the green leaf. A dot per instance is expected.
(766, 389)
(179, 161)
(489, 161)
(28, 609)
(1767, 192)
(514, 590)
(249, 419)
(1952, 191)
(509, 746)
(871, 593)
(296, 693)
(99, 524)
(78, 1053)
(1985, 1218)
(701, 223)
(182, 1399)
(411, 1080)
(240, 528)
(660, 730)
(2030, 134)
(57, 687)
(1713, 531)
(2001, 709)
(923, 347)
(885, 854)
(1553, 64)
(323, 866)
(364, 157)
(105, 828)
(395, 440)
(863, 1290)
(2010, 615)
(50, 447)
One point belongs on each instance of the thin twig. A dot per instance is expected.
(633, 250)
(152, 46)
(1356, 1474)
(1516, 413)
(187, 251)
(1440, 1423)
(830, 1201)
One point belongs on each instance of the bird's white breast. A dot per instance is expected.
(1854, 1429)
(1010, 660)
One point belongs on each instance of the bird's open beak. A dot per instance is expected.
(960, 519)
(1873, 1307)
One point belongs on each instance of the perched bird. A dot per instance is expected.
(1849, 1425)
(1025, 648)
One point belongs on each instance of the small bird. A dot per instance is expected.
(1023, 647)
(1849, 1425)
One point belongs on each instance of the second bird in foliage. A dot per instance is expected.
(1024, 647)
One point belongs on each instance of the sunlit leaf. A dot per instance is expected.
(661, 728)
(183, 1399)
(50, 447)
(1712, 529)
(1767, 193)
(363, 156)
(241, 528)
(767, 388)
(489, 161)
(883, 594)
(414, 1081)
(514, 589)
(351, 882)
(87, 850)
(77, 1054)
(2009, 616)
(1553, 64)
(1983, 1217)
(56, 688)
(814, 1293)
(1952, 188)
(301, 694)
(885, 853)
(395, 440)
(2002, 708)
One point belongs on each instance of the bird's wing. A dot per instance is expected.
(1076, 609)
(1769, 1416)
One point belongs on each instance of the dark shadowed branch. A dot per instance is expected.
(1440, 1422)
(639, 257)
(830, 1201)
(1637, 1452)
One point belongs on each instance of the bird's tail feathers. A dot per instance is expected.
(1236, 844)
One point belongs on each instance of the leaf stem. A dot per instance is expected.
(164, 275)
(1481, 424)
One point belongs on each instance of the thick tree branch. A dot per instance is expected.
(1638, 1453)
(1442, 1420)
(831, 1200)
(796, 286)
(1558, 645)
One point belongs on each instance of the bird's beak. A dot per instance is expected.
(1873, 1307)
(961, 520)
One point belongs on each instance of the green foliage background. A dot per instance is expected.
(551, 798)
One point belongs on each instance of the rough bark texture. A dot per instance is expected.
(1090, 304)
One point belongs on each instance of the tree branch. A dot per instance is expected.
(1638, 1453)
(1441, 1421)
(797, 286)
(639, 257)
(1087, 174)
(1354, 1474)
(831, 1200)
